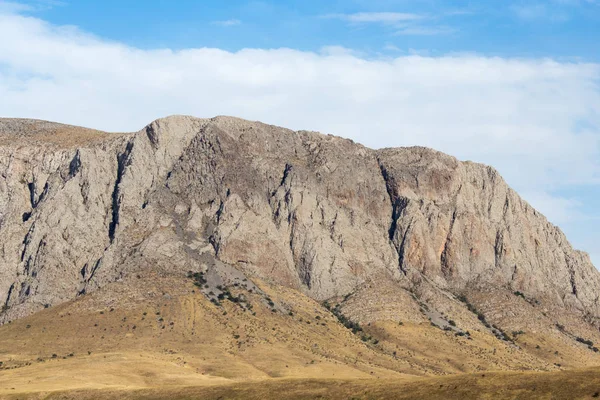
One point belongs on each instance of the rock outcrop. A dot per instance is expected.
(80, 209)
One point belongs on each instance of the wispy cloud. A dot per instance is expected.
(228, 22)
(577, 2)
(536, 11)
(375, 17)
(426, 30)
(31, 6)
(401, 23)
(13, 7)
(551, 10)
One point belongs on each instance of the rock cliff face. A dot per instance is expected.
(80, 209)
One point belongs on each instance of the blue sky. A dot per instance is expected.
(514, 84)
(550, 28)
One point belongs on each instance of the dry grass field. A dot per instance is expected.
(159, 337)
(579, 384)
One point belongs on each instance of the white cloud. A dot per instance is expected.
(391, 47)
(13, 7)
(32, 6)
(425, 30)
(228, 22)
(375, 17)
(535, 120)
(535, 11)
(402, 23)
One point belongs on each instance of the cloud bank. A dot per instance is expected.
(537, 121)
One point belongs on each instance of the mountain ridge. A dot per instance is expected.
(437, 171)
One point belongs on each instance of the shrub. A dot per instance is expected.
(452, 323)
(354, 326)
(584, 341)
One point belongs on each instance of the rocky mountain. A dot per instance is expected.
(80, 209)
(225, 248)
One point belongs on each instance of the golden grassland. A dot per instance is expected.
(159, 337)
(576, 384)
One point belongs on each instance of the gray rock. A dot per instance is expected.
(80, 209)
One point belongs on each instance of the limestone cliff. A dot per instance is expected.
(80, 209)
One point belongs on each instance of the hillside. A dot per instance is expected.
(222, 253)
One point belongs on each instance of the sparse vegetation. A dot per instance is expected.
(474, 310)
(353, 326)
(584, 341)
(198, 278)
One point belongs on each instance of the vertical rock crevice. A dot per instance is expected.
(7, 301)
(398, 204)
(123, 161)
(445, 266)
(34, 199)
(75, 165)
